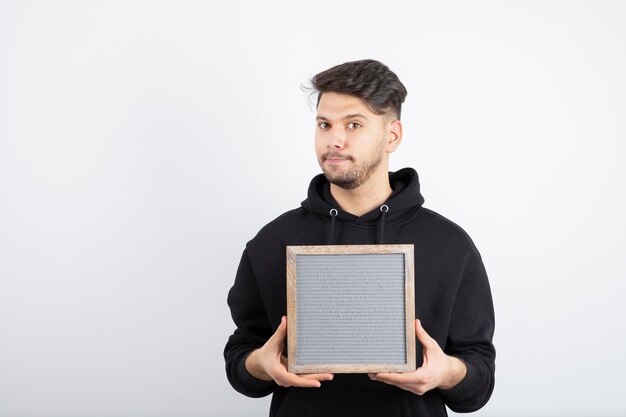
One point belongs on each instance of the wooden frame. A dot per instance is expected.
(408, 299)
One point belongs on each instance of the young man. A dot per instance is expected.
(357, 201)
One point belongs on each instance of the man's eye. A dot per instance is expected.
(354, 125)
(323, 125)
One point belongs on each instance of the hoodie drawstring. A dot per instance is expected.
(381, 223)
(333, 215)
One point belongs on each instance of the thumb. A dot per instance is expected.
(424, 338)
(278, 337)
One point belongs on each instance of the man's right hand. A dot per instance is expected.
(268, 363)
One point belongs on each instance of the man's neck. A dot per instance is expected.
(364, 198)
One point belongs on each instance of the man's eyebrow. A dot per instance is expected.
(347, 116)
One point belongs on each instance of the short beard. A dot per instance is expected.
(355, 177)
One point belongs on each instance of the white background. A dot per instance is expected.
(143, 143)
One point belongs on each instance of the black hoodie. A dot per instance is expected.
(452, 299)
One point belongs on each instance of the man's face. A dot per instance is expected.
(351, 141)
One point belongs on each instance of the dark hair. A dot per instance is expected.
(367, 79)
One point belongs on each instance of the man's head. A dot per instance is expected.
(358, 112)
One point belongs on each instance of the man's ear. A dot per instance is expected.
(394, 135)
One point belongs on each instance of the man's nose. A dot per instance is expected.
(337, 138)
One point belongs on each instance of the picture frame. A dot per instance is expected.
(351, 308)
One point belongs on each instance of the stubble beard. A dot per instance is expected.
(355, 176)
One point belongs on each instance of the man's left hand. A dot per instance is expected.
(437, 371)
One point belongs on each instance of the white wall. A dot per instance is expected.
(143, 143)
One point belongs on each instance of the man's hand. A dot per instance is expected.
(268, 363)
(438, 370)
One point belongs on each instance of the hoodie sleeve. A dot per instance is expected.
(253, 329)
(470, 339)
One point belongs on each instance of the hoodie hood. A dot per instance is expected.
(406, 195)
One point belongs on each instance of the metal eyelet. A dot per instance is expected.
(384, 208)
(334, 212)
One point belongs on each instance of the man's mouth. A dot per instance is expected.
(336, 159)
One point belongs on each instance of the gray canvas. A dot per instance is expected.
(350, 309)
